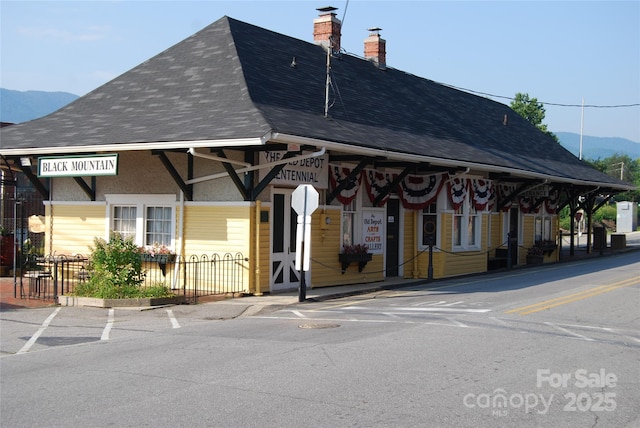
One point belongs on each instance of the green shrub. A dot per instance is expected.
(115, 272)
(607, 212)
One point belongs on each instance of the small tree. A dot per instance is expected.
(533, 111)
(116, 271)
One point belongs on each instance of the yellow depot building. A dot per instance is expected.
(200, 148)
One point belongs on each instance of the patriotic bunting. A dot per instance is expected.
(376, 183)
(505, 190)
(457, 191)
(526, 205)
(551, 203)
(419, 191)
(339, 175)
(483, 194)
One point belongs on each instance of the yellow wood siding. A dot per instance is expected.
(446, 262)
(325, 247)
(265, 251)
(528, 224)
(496, 231)
(74, 228)
(409, 247)
(217, 229)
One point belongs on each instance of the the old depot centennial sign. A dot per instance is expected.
(310, 170)
(76, 166)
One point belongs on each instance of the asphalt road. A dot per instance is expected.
(552, 346)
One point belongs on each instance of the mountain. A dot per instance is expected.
(598, 147)
(19, 106)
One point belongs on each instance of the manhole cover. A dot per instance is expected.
(318, 325)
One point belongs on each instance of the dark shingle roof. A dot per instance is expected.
(233, 80)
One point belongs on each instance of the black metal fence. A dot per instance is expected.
(194, 277)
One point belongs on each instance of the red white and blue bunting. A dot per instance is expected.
(337, 176)
(458, 188)
(526, 205)
(419, 191)
(483, 194)
(377, 183)
(504, 191)
(551, 203)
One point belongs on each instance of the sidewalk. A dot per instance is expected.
(8, 301)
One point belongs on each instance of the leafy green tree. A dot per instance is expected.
(533, 111)
(624, 168)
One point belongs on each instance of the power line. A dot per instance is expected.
(542, 102)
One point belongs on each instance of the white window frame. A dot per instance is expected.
(141, 203)
(465, 216)
(546, 222)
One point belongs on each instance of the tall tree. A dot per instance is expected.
(623, 168)
(533, 111)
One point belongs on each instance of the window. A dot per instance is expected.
(466, 226)
(158, 227)
(149, 220)
(124, 221)
(542, 228)
(348, 222)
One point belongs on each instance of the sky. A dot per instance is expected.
(560, 53)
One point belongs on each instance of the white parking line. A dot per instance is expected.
(107, 328)
(172, 318)
(458, 323)
(557, 327)
(41, 330)
(417, 309)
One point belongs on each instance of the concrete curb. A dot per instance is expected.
(119, 303)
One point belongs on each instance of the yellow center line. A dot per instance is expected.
(547, 304)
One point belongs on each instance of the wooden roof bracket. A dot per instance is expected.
(227, 165)
(271, 175)
(186, 189)
(35, 181)
(392, 185)
(519, 190)
(89, 190)
(352, 176)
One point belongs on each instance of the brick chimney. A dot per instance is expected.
(326, 28)
(375, 48)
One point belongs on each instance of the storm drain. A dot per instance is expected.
(317, 326)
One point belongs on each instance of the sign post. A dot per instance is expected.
(304, 201)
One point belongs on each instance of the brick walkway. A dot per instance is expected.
(8, 301)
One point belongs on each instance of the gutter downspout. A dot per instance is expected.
(181, 238)
(192, 151)
(255, 167)
(257, 251)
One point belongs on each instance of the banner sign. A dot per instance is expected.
(314, 171)
(537, 192)
(77, 166)
(373, 230)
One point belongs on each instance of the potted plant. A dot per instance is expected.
(547, 246)
(160, 254)
(354, 253)
(157, 253)
(535, 255)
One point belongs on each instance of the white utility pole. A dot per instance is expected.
(581, 128)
